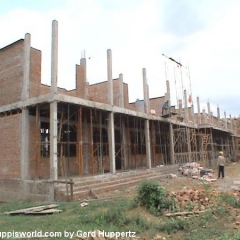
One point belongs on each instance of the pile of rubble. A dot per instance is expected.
(192, 200)
(194, 170)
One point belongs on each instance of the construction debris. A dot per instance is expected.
(190, 201)
(195, 171)
(84, 204)
(40, 210)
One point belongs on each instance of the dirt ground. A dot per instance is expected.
(232, 176)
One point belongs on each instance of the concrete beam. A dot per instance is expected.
(26, 67)
(27, 103)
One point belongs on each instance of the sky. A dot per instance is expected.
(202, 35)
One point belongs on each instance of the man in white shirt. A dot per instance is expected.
(221, 163)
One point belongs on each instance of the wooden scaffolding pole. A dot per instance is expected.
(91, 143)
(38, 142)
(80, 142)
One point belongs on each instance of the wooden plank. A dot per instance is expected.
(39, 208)
(182, 213)
(43, 212)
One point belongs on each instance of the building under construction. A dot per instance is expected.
(50, 135)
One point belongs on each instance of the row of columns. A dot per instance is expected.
(53, 108)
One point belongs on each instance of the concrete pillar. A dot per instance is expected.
(204, 116)
(231, 125)
(54, 67)
(168, 96)
(145, 91)
(198, 109)
(218, 116)
(53, 105)
(171, 144)
(225, 120)
(209, 113)
(111, 142)
(83, 63)
(180, 107)
(110, 80)
(26, 67)
(111, 137)
(53, 141)
(185, 106)
(25, 111)
(121, 92)
(193, 115)
(146, 123)
(25, 144)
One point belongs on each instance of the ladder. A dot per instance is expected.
(204, 144)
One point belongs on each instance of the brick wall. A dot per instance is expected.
(99, 93)
(10, 146)
(44, 89)
(35, 72)
(11, 72)
(156, 104)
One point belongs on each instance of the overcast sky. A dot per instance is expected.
(202, 35)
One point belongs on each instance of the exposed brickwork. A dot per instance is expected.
(10, 146)
(44, 89)
(99, 93)
(35, 72)
(11, 73)
(156, 104)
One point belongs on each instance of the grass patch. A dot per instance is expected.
(143, 215)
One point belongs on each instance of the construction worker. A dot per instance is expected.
(221, 163)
